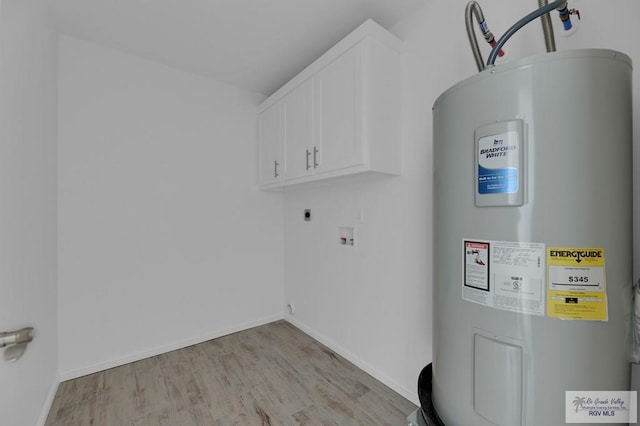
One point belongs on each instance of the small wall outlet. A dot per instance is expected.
(307, 215)
(346, 236)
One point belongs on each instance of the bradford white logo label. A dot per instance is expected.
(498, 149)
(600, 407)
(498, 163)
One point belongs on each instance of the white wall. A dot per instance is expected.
(373, 302)
(164, 239)
(28, 207)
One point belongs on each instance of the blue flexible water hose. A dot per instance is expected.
(521, 23)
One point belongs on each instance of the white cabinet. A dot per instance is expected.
(270, 142)
(285, 137)
(338, 94)
(340, 116)
(298, 131)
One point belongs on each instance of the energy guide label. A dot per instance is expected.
(504, 275)
(576, 283)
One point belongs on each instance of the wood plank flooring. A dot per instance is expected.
(269, 375)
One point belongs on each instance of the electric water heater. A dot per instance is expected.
(533, 237)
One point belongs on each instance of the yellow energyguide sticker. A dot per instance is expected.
(576, 283)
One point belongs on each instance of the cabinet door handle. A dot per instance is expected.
(275, 168)
(315, 157)
(308, 154)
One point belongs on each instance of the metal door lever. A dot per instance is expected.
(17, 342)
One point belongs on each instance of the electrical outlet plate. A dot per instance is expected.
(346, 236)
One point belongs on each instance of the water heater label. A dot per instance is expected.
(498, 163)
(505, 275)
(576, 283)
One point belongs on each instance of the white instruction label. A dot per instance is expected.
(505, 275)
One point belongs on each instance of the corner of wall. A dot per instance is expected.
(48, 403)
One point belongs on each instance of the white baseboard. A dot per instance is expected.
(411, 395)
(73, 374)
(46, 407)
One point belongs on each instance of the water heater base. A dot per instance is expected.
(427, 409)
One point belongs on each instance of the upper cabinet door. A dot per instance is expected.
(298, 131)
(270, 142)
(338, 112)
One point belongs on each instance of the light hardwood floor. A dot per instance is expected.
(268, 375)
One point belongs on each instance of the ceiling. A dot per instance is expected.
(257, 45)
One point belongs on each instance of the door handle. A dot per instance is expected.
(16, 342)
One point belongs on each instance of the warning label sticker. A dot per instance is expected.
(476, 265)
(505, 275)
(576, 284)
